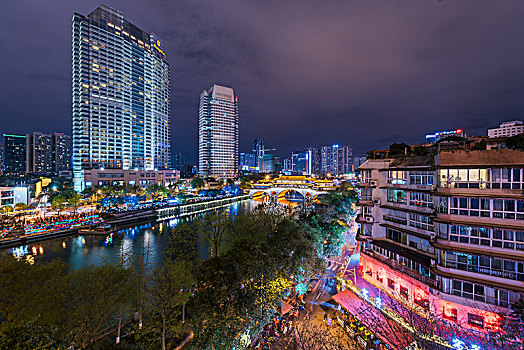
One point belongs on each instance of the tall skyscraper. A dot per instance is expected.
(178, 161)
(14, 154)
(259, 150)
(121, 96)
(39, 153)
(61, 152)
(218, 133)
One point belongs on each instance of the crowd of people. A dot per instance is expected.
(39, 224)
(282, 324)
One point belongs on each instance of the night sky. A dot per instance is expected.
(306, 72)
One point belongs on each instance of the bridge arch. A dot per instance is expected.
(261, 196)
(290, 192)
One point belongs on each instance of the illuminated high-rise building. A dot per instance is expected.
(14, 154)
(121, 96)
(218, 133)
(39, 153)
(259, 150)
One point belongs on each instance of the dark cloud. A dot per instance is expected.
(306, 72)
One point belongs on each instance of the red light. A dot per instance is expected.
(458, 131)
(448, 312)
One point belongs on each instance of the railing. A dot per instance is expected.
(395, 219)
(195, 208)
(402, 268)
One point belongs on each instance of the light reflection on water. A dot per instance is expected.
(130, 243)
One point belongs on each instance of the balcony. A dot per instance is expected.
(478, 221)
(494, 278)
(395, 219)
(478, 192)
(365, 219)
(504, 253)
(368, 183)
(425, 188)
(365, 202)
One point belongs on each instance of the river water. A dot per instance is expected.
(82, 251)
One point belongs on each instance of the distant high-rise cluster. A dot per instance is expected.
(334, 160)
(218, 133)
(121, 96)
(36, 153)
(47, 153)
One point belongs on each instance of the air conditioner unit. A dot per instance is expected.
(376, 201)
(373, 183)
(369, 219)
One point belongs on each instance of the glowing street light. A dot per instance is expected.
(365, 293)
(458, 344)
(378, 302)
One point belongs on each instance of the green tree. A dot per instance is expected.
(399, 149)
(216, 226)
(21, 206)
(197, 183)
(241, 288)
(184, 242)
(28, 291)
(58, 203)
(338, 205)
(74, 199)
(32, 336)
(169, 290)
(420, 151)
(157, 191)
(94, 296)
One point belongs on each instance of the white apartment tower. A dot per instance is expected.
(218, 133)
(121, 96)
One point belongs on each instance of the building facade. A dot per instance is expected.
(39, 153)
(259, 148)
(121, 95)
(141, 178)
(335, 160)
(61, 152)
(178, 161)
(446, 232)
(12, 195)
(298, 162)
(48, 153)
(247, 162)
(218, 133)
(439, 135)
(14, 154)
(507, 129)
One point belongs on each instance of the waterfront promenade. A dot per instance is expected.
(66, 225)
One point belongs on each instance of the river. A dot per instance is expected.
(82, 251)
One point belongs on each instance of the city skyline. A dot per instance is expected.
(351, 81)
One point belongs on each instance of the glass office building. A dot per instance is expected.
(121, 96)
(218, 133)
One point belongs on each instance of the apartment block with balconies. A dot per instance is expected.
(446, 231)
